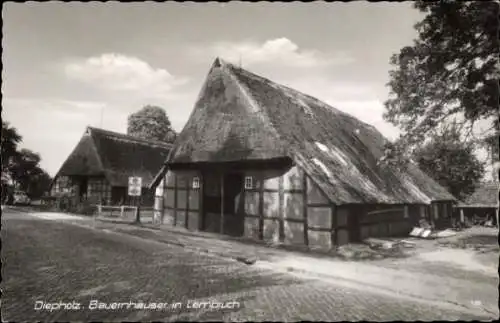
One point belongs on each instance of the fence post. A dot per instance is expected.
(121, 211)
(98, 213)
(496, 211)
(137, 214)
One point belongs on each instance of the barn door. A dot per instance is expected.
(212, 202)
(233, 219)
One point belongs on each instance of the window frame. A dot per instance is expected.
(249, 182)
(196, 183)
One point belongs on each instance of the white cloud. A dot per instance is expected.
(369, 111)
(118, 72)
(325, 87)
(277, 51)
(53, 127)
(52, 104)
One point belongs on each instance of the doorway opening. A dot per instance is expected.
(223, 202)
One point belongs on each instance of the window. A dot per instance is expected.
(248, 182)
(196, 182)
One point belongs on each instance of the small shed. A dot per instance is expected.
(482, 204)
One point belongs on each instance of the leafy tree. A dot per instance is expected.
(10, 140)
(451, 162)
(450, 73)
(151, 123)
(21, 166)
(26, 171)
(39, 183)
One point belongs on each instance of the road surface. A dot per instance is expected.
(55, 271)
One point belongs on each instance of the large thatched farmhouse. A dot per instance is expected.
(100, 165)
(261, 160)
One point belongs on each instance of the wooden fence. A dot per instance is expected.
(126, 213)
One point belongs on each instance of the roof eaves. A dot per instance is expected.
(162, 170)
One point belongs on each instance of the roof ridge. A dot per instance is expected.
(253, 102)
(129, 137)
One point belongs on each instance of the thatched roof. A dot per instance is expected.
(242, 116)
(485, 195)
(116, 156)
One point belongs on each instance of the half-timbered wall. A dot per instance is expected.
(274, 206)
(290, 208)
(286, 206)
(61, 185)
(181, 200)
(99, 190)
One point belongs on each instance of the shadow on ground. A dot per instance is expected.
(481, 242)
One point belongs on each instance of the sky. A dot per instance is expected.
(70, 65)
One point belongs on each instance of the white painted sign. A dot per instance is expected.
(134, 186)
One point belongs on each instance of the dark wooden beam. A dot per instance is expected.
(175, 199)
(222, 203)
(261, 206)
(304, 208)
(319, 205)
(281, 213)
(201, 213)
(334, 225)
(266, 164)
(188, 189)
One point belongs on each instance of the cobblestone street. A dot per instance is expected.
(53, 262)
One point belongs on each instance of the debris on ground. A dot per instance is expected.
(408, 244)
(444, 233)
(421, 233)
(246, 260)
(381, 244)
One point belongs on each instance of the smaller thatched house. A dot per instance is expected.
(264, 161)
(480, 205)
(99, 167)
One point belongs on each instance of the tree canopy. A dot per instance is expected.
(26, 171)
(152, 123)
(451, 162)
(449, 74)
(21, 166)
(10, 140)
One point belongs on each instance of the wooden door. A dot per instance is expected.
(212, 202)
(232, 199)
